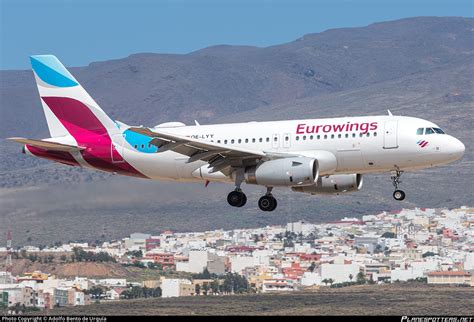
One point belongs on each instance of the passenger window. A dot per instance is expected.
(297, 138)
(275, 138)
(135, 146)
(268, 139)
(253, 140)
(319, 136)
(143, 146)
(225, 141)
(347, 135)
(240, 141)
(339, 136)
(360, 134)
(419, 131)
(260, 140)
(246, 140)
(429, 131)
(218, 141)
(375, 133)
(325, 136)
(332, 136)
(232, 141)
(286, 138)
(368, 134)
(353, 135)
(310, 137)
(304, 137)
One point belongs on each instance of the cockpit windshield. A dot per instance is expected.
(429, 130)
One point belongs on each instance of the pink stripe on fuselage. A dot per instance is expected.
(89, 132)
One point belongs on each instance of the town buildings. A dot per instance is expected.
(431, 245)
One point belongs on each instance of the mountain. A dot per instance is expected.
(417, 66)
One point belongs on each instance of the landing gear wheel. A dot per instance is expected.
(267, 203)
(399, 195)
(236, 198)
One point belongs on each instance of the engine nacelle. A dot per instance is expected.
(288, 172)
(337, 183)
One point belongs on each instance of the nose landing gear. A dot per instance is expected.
(397, 194)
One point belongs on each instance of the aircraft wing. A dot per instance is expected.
(219, 156)
(47, 145)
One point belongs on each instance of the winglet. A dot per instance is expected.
(389, 113)
(196, 122)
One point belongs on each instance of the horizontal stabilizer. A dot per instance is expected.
(47, 145)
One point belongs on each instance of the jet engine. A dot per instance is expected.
(288, 172)
(338, 183)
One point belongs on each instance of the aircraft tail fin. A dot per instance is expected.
(68, 108)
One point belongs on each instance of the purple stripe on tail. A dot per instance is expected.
(88, 131)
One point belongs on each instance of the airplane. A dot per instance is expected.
(313, 156)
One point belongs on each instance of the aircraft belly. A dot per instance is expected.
(153, 165)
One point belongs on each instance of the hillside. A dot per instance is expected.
(418, 66)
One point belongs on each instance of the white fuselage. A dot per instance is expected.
(371, 144)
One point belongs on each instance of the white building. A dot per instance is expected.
(197, 261)
(340, 273)
(300, 227)
(278, 285)
(405, 274)
(176, 287)
(239, 263)
(310, 279)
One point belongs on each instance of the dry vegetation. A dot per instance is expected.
(400, 299)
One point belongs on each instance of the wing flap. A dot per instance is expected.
(47, 145)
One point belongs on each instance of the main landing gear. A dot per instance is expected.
(237, 198)
(397, 194)
(267, 202)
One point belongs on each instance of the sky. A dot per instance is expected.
(81, 32)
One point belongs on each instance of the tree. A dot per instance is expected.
(205, 287)
(288, 243)
(388, 234)
(215, 286)
(361, 278)
(325, 281)
(23, 253)
(157, 292)
(351, 277)
(428, 254)
(126, 294)
(96, 292)
(312, 267)
(197, 289)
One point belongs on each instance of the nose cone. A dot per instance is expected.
(456, 149)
